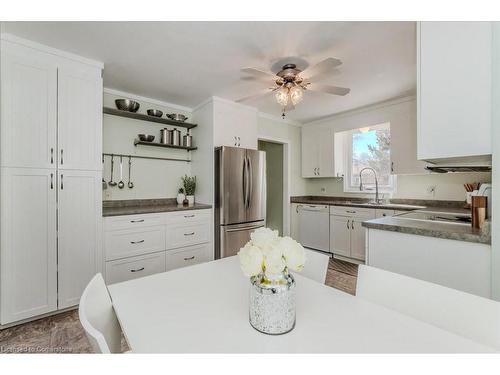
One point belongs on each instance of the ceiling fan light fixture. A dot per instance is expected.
(282, 96)
(296, 94)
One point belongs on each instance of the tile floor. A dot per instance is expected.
(63, 333)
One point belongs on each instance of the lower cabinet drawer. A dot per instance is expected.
(187, 256)
(181, 235)
(132, 268)
(131, 242)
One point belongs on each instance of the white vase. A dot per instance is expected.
(180, 198)
(190, 199)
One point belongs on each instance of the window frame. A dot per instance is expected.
(348, 187)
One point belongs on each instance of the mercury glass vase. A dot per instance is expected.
(272, 303)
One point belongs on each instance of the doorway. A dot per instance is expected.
(274, 184)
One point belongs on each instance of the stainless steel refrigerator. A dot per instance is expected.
(240, 197)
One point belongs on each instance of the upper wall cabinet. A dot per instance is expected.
(317, 152)
(51, 111)
(28, 109)
(235, 125)
(454, 89)
(79, 118)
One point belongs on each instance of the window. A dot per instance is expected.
(369, 147)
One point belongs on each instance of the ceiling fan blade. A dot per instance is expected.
(322, 67)
(262, 92)
(260, 73)
(334, 90)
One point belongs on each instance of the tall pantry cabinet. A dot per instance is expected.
(50, 181)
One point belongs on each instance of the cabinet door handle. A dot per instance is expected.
(136, 242)
(348, 223)
(392, 167)
(189, 234)
(188, 216)
(190, 258)
(319, 172)
(51, 181)
(52, 155)
(138, 269)
(137, 221)
(352, 224)
(239, 141)
(62, 182)
(62, 159)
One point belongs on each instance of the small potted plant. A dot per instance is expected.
(189, 183)
(180, 196)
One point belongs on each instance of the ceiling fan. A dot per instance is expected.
(290, 83)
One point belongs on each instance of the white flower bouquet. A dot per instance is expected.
(268, 255)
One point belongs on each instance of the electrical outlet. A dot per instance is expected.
(323, 190)
(107, 194)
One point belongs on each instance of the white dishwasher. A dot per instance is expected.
(314, 226)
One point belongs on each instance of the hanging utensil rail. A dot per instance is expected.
(146, 157)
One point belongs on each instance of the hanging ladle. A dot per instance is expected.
(130, 183)
(121, 185)
(111, 182)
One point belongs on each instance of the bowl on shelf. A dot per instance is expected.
(146, 137)
(127, 105)
(177, 117)
(154, 112)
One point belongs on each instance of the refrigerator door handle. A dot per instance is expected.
(244, 182)
(250, 178)
(244, 228)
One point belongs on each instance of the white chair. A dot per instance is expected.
(98, 317)
(316, 266)
(464, 314)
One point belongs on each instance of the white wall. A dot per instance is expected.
(447, 186)
(151, 178)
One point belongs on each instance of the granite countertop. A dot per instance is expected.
(450, 231)
(146, 206)
(392, 204)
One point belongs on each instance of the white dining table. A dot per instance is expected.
(204, 309)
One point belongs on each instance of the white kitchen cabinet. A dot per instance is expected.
(318, 152)
(29, 243)
(79, 233)
(28, 108)
(79, 118)
(454, 89)
(294, 221)
(187, 256)
(340, 235)
(134, 267)
(235, 125)
(436, 260)
(347, 236)
(140, 245)
(50, 107)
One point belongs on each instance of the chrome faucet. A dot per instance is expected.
(376, 182)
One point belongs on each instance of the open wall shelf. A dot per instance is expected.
(156, 144)
(143, 117)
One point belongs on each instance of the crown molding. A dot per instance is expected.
(129, 95)
(53, 51)
(366, 108)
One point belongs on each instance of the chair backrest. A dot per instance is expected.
(464, 314)
(316, 266)
(98, 317)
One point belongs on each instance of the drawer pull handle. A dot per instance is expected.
(350, 212)
(190, 258)
(136, 242)
(189, 234)
(137, 221)
(188, 216)
(138, 270)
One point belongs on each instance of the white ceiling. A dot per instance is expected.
(186, 62)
